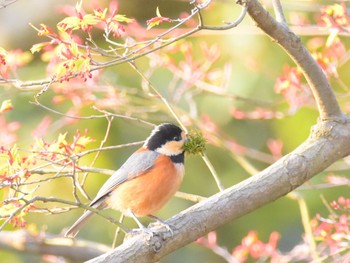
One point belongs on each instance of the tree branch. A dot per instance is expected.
(329, 141)
(77, 250)
(280, 33)
(6, 3)
(277, 7)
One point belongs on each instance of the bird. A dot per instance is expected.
(146, 181)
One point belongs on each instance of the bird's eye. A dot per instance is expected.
(177, 138)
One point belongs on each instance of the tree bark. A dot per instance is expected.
(75, 250)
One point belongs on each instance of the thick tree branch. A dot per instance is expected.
(6, 3)
(279, 32)
(329, 141)
(23, 241)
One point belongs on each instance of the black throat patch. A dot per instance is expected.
(180, 158)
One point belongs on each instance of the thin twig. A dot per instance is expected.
(45, 88)
(129, 57)
(245, 164)
(329, 208)
(160, 96)
(4, 184)
(109, 114)
(190, 197)
(277, 6)
(69, 172)
(109, 123)
(305, 218)
(213, 172)
(229, 25)
(76, 185)
(62, 201)
(117, 231)
(105, 113)
(107, 148)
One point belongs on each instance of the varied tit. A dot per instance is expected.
(146, 181)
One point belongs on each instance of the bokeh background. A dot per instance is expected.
(255, 61)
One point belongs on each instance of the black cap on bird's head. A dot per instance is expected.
(167, 139)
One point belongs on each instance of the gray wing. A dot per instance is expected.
(137, 163)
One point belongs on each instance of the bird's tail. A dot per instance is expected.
(74, 229)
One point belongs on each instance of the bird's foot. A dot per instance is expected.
(163, 228)
(160, 224)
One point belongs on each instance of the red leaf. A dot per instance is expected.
(155, 21)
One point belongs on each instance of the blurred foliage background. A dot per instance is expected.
(256, 63)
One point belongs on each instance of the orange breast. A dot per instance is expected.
(148, 192)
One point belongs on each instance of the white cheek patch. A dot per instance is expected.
(171, 148)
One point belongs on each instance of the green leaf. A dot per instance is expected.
(122, 18)
(38, 47)
(90, 20)
(74, 49)
(69, 23)
(61, 70)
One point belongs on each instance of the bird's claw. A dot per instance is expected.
(161, 225)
